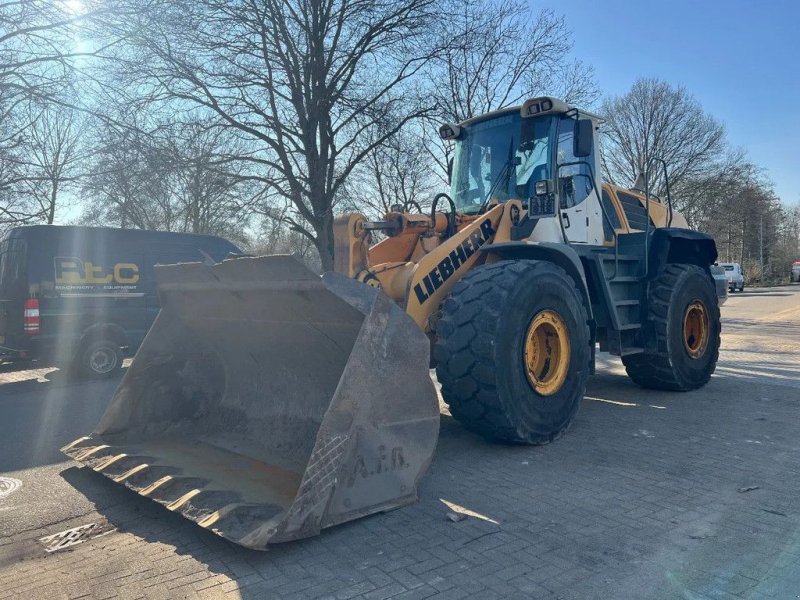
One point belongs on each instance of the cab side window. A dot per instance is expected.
(574, 182)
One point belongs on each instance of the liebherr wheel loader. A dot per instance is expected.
(267, 403)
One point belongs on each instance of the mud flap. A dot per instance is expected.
(267, 403)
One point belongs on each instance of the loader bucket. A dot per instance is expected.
(267, 403)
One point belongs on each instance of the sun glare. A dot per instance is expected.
(74, 7)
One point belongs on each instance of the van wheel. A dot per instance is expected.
(100, 358)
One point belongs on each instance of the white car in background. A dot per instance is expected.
(735, 276)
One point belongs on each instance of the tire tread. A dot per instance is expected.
(466, 367)
(655, 370)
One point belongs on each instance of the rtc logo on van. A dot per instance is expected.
(75, 274)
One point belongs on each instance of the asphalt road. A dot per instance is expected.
(756, 389)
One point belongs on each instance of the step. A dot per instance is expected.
(625, 279)
(621, 257)
(631, 350)
(630, 326)
(626, 303)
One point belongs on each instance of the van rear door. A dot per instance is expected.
(13, 292)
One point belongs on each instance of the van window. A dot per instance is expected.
(12, 261)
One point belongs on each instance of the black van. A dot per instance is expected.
(84, 295)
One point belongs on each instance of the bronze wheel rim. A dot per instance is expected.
(695, 329)
(547, 353)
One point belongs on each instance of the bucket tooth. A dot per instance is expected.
(81, 456)
(130, 472)
(107, 462)
(176, 504)
(267, 403)
(155, 485)
(71, 445)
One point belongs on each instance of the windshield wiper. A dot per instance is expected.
(503, 172)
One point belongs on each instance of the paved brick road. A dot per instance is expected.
(640, 500)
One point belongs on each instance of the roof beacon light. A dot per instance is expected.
(543, 105)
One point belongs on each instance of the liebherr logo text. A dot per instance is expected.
(451, 263)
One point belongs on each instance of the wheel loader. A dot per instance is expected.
(267, 403)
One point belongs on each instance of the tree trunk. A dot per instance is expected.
(51, 211)
(324, 243)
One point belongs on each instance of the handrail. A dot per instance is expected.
(663, 165)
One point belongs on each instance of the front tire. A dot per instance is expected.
(684, 319)
(99, 359)
(513, 351)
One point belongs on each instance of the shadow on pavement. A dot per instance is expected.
(256, 573)
(40, 415)
(259, 573)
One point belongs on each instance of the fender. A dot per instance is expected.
(673, 245)
(559, 254)
(111, 331)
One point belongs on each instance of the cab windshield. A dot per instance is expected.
(500, 158)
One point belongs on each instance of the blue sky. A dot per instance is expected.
(741, 60)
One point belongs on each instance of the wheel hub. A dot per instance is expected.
(102, 360)
(547, 352)
(695, 329)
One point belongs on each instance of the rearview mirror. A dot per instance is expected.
(584, 138)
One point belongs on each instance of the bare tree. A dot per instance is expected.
(39, 44)
(309, 82)
(657, 120)
(170, 176)
(53, 159)
(501, 53)
(124, 179)
(213, 190)
(396, 173)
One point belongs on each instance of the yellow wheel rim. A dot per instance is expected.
(695, 329)
(547, 353)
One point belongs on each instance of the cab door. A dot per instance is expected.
(579, 205)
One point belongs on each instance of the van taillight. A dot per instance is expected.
(31, 319)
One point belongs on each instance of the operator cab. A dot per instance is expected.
(541, 153)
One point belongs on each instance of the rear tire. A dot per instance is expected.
(498, 319)
(99, 358)
(684, 359)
